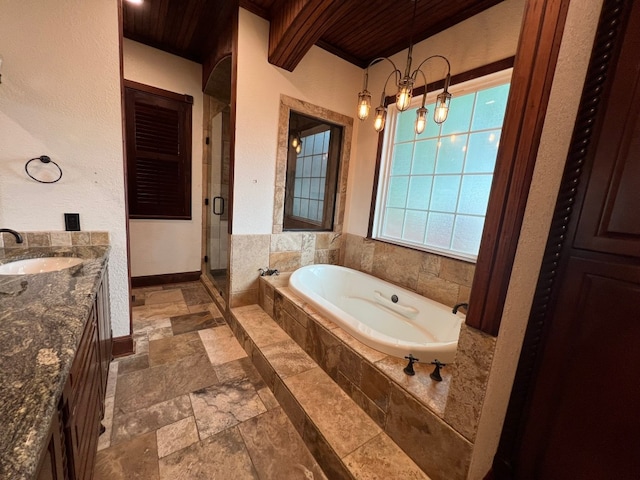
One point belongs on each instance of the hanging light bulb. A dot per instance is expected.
(381, 116)
(405, 91)
(421, 120)
(295, 141)
(298, 147)
(364, 104)
(441, 111)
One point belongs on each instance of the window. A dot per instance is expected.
(158, 138)
(312, 173)
(434, 187)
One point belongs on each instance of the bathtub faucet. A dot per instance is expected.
(12, 232)
(268, 271)
(460, 305)
(435, 375)
(409, 368)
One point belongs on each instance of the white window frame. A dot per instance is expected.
(477, 84)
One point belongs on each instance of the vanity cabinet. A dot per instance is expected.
(70, 452)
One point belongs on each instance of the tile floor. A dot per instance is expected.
(189, 404)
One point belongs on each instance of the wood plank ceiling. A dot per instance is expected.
(356, 30)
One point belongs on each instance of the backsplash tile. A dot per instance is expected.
(54, 239)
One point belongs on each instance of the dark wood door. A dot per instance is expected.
(582, 417)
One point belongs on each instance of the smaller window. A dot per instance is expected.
(434, 187)
(312, 173)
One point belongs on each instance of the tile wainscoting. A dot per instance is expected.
(54, 239)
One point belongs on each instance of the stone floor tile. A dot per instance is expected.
(337, 417)
(104, 440)
(176, 436)
(112, 379)
(276, 449)
(147, 315)
(262, 329)
(144, 388)
(141, 343)
(163, 296)
(170, 349)
(158, 333)
(381, 459)
(145, 324)
(192, 322)
(136, 459)
(221, 345)
(196, 295)
(221, 406)
(240, 368)
(287, 358)
(223, 456)
(267, 397)
(133, 363)
(144, 420)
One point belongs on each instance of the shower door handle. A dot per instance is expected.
(218, 201)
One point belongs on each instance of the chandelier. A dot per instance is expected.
(404, 84)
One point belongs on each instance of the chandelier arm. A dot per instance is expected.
(429, 58)
(382, 98)
(424, 78)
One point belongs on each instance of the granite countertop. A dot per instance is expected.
(42, 317)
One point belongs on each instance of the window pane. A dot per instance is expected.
(306, 167)
(401, 164)
(424, 157)
(482, 152)
(297, 187)
(439, 229)
(445, 193)
(451, 154)
(307, 145)
(315, 189)
(313, 209)
(474, 194)
(467, 234)
(459, 117)
(316, 165)
(296, 207)
(419, 192)
(405, 127)
(397, 196)
(304, 207)
(415, 223)
(318, 143)
(306, 186)
(392, 226)
(490, 107)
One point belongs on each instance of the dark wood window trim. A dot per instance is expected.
(533, 72)
(158, 152)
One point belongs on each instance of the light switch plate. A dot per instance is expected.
(72, 222)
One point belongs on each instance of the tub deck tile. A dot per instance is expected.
(344, 439)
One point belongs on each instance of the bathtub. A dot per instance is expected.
(364, 306)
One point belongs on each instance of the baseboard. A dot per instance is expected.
(151, 280)
(122, 346)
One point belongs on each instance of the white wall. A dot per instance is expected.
(321, 79)
(60, 96)
(487, 37)
(573, 59)
(168, 246)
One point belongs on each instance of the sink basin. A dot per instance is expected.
(38, 265)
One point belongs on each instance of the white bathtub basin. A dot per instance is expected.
(38, 265)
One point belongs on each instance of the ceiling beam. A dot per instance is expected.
(296, 25)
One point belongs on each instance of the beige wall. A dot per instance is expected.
(60, 96)
(168, 246)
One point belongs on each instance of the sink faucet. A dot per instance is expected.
(12, 232)
(460, 305)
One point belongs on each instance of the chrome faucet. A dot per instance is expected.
(460, 305)
(14, 233)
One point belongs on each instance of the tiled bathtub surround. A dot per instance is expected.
(285, 252)
(54, 239)
(442, 279)
(413, 411)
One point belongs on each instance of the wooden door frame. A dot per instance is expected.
(604, 54)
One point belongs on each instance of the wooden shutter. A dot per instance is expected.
(158, 130)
